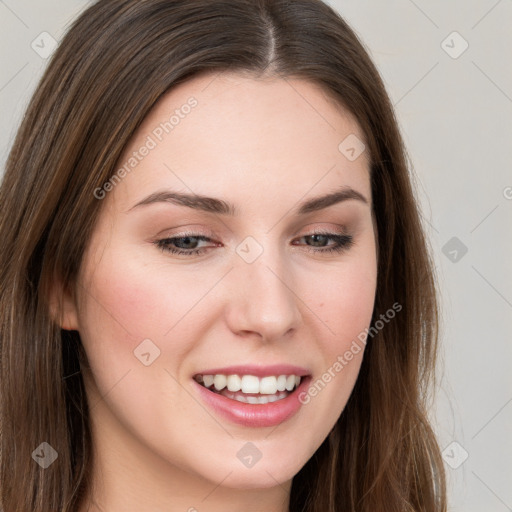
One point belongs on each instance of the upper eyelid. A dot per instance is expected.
(341, 230)
(211, 238)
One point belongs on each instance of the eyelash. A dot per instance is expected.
(342, 243)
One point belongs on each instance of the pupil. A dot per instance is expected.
(184, 242)
(319, 238)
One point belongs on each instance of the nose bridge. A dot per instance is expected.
(263, 301)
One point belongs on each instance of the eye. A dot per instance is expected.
(189, 244)
(184, 245)
(319, 242)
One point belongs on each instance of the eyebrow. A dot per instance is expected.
(214, 205)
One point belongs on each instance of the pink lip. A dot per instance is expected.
(254, 415)
(258, 371)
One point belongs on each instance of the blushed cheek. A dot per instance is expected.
(115, 315)
(351, 308)
(348, 307)
(118, 315)
(136, 302)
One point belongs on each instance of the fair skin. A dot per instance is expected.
(265, 147)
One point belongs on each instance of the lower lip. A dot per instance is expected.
(254, 415)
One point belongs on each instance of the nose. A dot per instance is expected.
(262, 301)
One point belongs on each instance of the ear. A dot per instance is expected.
(63, 308)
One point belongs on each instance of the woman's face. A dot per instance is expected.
(265, 282)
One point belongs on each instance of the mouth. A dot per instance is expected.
(250, 389)
(253, 396)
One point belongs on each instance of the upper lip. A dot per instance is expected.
(257, 371)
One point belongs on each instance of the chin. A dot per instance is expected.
(257, 479)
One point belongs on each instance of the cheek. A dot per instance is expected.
(134, 300)
(127, 303)
(131, 298)
(344, 298)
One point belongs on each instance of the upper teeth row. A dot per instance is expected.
(251, 384)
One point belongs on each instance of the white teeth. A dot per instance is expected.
(269, 385)
(234, 383)
(281, 383)
(219, 381)
(250, 384)
(207, 380)
(256, 400)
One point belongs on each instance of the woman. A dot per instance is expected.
(215, 287)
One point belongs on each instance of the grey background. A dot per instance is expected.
(454, 109)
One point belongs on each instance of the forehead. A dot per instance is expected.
(222, 132)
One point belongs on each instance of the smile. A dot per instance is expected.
(250, 388)
(253, 396)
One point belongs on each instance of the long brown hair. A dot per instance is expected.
(114, 64)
